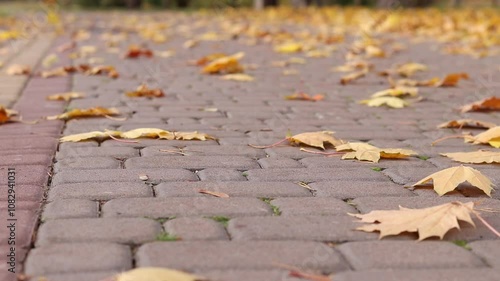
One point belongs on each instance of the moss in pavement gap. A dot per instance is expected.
(276, 209)
(166, 237)
(377, 169)
(462, 243)
(423, 157)
(221, 219)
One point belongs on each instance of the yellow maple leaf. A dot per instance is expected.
(397, 92)
(427, 222)
(88, 112)
(138, 133)
(65, 96)
(491, 137)
(447, 180)
(393, 102)
(475, 157)
(366, 152)
(226, 64)
(316, 139)
(352, 76)
(288, 48)
(154, 274)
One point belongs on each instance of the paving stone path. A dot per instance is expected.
(84, 213)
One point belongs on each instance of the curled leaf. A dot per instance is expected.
(238, 77)
(154, 274)
(316, 139)
(135, 51)
(144, 91)
(305, 97)
(366, 152)
(89, 112)
(65, 96)
(393, 102)
(475, 157)
(227, 64)
(18, 69)
(466, 123)
(488, 104)
(397, 92)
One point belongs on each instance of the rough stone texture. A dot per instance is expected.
(488, 251)
(455, 274)
(196, 229)
(218, 175)
(170, 207)
(70, 208)
(407, 255)
(119, 230)
(250, 275)
(78, 257)
(348, 189)
(319, 174)
(312, 206)
(192, 162)
(100, 190)
(86, 163)
(240, 255)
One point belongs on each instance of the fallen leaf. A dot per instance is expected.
(488, 104)
(289, 48)
(209, 58)
(238, 77)
(103, 69)
(366, 152)
(318, 54)
(227, 64)
(138, 133)
(82, 113)
(144, 91)
(491, 137)
(408, 69)
(353, 66)
(59, 71)
(451, 80)
(6, 114)
(66, 96)
(448, 179)
(18, 69)
(466, 123)
(397, 92)
(316, 139)
(190, 44)
(372, 51)
(475, 157)
(135, 51)
(427, 222)
(393, 102)
(49, 60)
(305, 97)
(154, 274)
(352, 77)
(214, 193)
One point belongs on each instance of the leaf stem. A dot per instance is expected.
(268, 146)
(321, 152)
(452, 137)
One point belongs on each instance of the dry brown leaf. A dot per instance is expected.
(447, 180)
(305, 97)
(18, 69)
(352, 77)
(214, 193)
(366, 152)
(65, 96)
(451, 80)
(427, 222)
(103, 69)
(475, 157)
(144, 91)
(135, 51)
(138, 133)
(466, 123)
(209, 58)
(6, 114)
(487, 104)
(88, 112)
(316, 139)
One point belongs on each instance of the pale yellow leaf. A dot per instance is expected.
(288, 48)
(408, 69)
(427, 222)
(366, 152)
(82, 113)
(397, 92)
(316, 139)
(475, 157)
(18, 69)
(238, 77)
(65, 96)
(447, 180)
(393, 102)
(154, 274)
(225, 64)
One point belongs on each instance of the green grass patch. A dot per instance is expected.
(276, 209)
(166, 237)
(221, 219)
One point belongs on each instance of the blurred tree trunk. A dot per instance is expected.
(299, 3)
(261, 4)
(133, 4)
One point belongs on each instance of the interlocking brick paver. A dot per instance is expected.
(407, 255)
(100, 190)
(170, 207)
(196, 229)
(117, 152)
(488, 251)
(310, 175)
(338, 228)
(455, 274)
(219, 174)
(240, 255)
(348, 189)
(192, 162)
(77, 163)
(116, 230)
(70, 208)
(207, 150)
(233, 189)
(78, 257)
(250, 275)
(312, 206)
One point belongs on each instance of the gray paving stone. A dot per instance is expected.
(311, 175)
(305, 228)
(70, 208)
(219, 255)
(117, 152)
(117, 230)
(192, 162)
(86, 163)
(250, 275)
(219, 174)
(233, 189)
(312, 206)
(208, 150)
(455, 274)
(99, 190)
(196, 229)
(78, 257)
(488, 251)
(407, 255)
(278, 162)
(170, 207)
(88, 276)
(141, 143)
(348, 189)
(123, 175)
